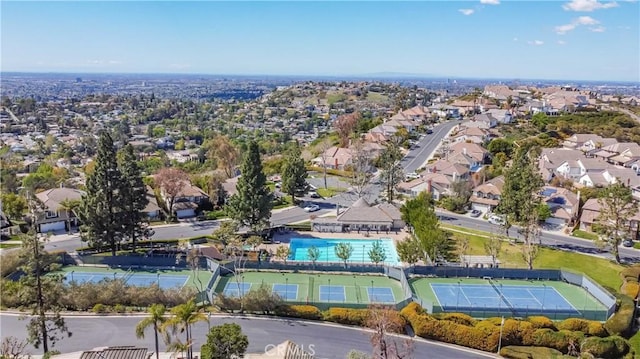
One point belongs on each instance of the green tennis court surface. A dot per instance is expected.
(520, 298)
(316, 288)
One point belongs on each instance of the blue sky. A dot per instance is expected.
(565, 40)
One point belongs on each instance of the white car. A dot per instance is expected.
(412, 176)
(495, 219)
(312, 208)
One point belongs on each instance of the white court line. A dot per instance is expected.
(535, 298)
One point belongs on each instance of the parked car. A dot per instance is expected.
(429, 131)
(495, 219)
(312, 208)
(411, 176)
(627, 243)
(475, 213)
(314, 194)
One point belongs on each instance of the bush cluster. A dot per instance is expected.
(589, 327)
(563, 337)
(347, 316)
(518, 352)
(606, 348)
(108, 293)
(300, 311)
(620, 323)
(630, 277)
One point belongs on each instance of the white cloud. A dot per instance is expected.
(582, 20)
(597, 29)
(515, 39)
(466, 11)
(536, 42)
(586, 20)
(115, 62)
(490, 2)
(588, 5)
(560, 42)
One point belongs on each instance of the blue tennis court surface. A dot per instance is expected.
(380, 295)
(134, 279)
(233, 289)
(286, 291)
(518, 299)
(332, 293)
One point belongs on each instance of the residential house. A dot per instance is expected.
(486, 197)
(563, 204)
(579, 139)
(474, 151)
(57, 216)
(591, 213)
(334, 158)
(482, 120)
(437, 184)
(501, 116)
(475, 135)
(187, 200)
(381, 133)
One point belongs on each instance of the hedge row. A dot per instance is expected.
(620, 323)
(148, 243)
(610, 347)
(518, 352)
(564, 337)
(347, 316)
(630, 277)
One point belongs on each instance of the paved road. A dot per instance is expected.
(414, 159)
(548, 238)
(326, 341)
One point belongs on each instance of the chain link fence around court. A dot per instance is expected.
(593, 288)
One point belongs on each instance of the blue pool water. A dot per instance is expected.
(361, 247)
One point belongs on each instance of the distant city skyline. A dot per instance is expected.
(570, 40)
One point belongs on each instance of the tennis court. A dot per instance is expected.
(314, 288)
(520, 298)
(380, 295)
(165, 279)
(236, 289)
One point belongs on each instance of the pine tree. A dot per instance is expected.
(134, 196)
(294, 173)
(251, 205)
(100, 212)
(46, 326)
(391, 169)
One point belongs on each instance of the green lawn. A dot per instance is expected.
(601, 270)
(585, 235)
(329, 192)
(377, 97)
(9, 245)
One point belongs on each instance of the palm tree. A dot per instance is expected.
(155, 319)
(185, 315)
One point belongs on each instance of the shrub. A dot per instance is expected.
(99, 308)
(588, 327)
(459, 318)
(631, 289)
(347, 316)
(300, 311)
(561, 340)
(119, 308)
(540, 322)
(610, 347)
(620, 322)
(517, 352)
(631, 274)
(10, 262)
(262, 300)
(228, 304)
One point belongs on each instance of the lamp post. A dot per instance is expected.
(209, 320)
(329, 297)
(286, 289)
(363, 253)
(500, 340)
(158, 280)
(458, 296)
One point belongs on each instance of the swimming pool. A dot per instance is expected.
(300, 249)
